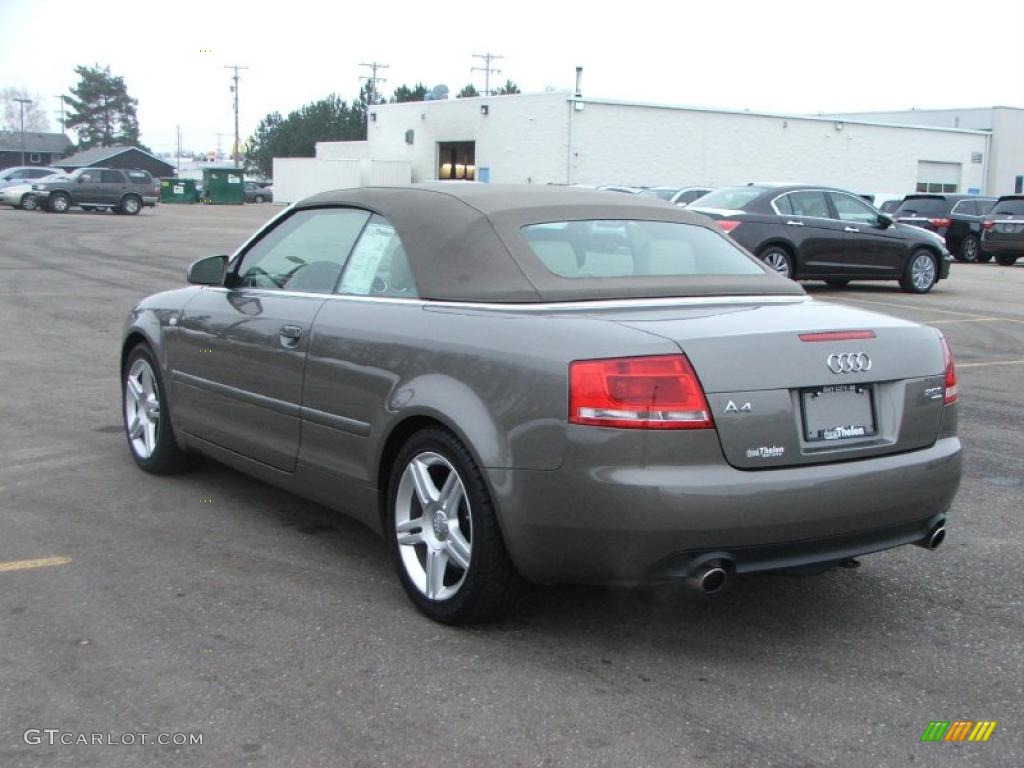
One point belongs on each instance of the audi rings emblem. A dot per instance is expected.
(848, 362)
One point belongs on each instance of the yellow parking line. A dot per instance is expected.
(843, 299)
(960, 320)
(42, 562)
(994, 362)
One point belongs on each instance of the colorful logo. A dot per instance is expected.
(958, 730)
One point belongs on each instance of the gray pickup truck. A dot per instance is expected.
(98, 189)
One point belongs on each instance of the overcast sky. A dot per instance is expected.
(786, 56)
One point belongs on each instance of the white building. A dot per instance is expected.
(559, 137)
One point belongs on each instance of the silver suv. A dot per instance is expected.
(98, 189)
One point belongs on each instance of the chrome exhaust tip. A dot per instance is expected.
(935, 538)
(709, 579)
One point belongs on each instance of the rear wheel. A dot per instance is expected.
(921, 273)
(258, 198)
(778, 258)
(147, 418)
(443, 532)
(1006, 259)
(970, 249)
(29, 202)
(59, 202)
(130, 205)
(836, 282)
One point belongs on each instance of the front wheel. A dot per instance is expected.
(29, 202)
(147, 418)
(921, 273)
(443, 532)
(970, 249)
(778, 259)
(1006, 259)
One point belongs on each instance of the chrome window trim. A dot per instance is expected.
(859, 199)
(576, 305)
(800, 215)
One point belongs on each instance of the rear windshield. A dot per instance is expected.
(924, 206)
(1009, 207)
(731, 198)
(629, 248)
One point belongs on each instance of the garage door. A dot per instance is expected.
(938, 177)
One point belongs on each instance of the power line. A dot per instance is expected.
(234, 90)
(372, 78)
(487, 69)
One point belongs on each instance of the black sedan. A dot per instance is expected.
(819, 233)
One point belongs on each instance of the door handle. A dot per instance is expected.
(290, 335)
(850, 229)
(794, 223)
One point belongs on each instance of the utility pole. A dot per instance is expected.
(372, 78)
(219, 137)
(234, 90)
(61, 97)
(487, 69)
(178, 153)
(23, 102)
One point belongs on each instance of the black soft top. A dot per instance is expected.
(464, 243)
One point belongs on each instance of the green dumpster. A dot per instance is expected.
(223, 186)
(178, 191)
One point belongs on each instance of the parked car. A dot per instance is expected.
(1003, 230)
(819, 233)
(484, 376)
(20, 174)
(98, 189)
(681, 196)
(890, 206)
(258, 193)
(957, 218)
(20, 195)
(621, 188)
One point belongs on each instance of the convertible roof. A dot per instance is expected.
(463, 241)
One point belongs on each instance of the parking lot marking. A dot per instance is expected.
(961, 320)
(994, 362)
(42, 562)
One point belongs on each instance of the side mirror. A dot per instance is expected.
(208, 271)
(885, 220)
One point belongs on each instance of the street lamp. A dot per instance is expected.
(23, 102)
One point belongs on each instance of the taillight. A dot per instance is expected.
(939, 222)
(727, 225)
(952, 391)
(659, 392)
(987, 224)
(837, 335)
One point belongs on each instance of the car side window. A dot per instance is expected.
(379, 265)
(39, 174)
(111, 177)
(90, 177)
(849, 208)
(784, 206)
(809, 203)
(305, 252)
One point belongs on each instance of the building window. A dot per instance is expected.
(938, 178)
(35, 157)
(936, 188)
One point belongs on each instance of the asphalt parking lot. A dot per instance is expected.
(213, 604)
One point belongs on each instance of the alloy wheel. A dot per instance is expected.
(142, 409)
(778, 261)
(969, 249)
(29, 202)
(922, 272)
(433, 526)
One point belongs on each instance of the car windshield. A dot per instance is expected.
(629, 248)
(1014, 207)
(924, 206)
(730, 198)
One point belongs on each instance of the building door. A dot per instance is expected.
(938, 178)
(456, 160)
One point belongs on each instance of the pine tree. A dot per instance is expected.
(102, 113)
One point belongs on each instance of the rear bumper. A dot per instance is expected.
(647, 523)
(1005, 245)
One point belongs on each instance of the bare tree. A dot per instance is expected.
(10, 111)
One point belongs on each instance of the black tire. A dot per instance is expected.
(130, 205)
(490, 586)
(838, 282)
(984, 258)
(1006, 259)
(779, 259)
(29, 202)
(970, 250)
(914, 279)
(59, 202)
(258, 199)
(167, 457)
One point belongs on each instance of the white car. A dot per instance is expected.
(20, 195)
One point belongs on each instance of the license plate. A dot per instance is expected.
(838, 412)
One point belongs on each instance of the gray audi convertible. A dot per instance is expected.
(550, 384)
